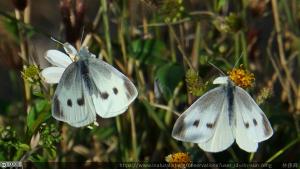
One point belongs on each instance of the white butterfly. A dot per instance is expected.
(87, 86)
(222, 115)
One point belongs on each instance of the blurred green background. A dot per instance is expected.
(165, 47)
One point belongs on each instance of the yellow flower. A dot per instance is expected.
(178, 160)
(241, 77)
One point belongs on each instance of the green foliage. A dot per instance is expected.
(12, 27)
(172, 10)
(148, 51)
(167, 82)
(11, 146)
(50, 136)
(39, 113)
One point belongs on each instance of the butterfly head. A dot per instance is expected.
(75, 55)
(222, 80)
(84, 53)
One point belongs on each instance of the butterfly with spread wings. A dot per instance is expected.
(87, 86)
(222, 115)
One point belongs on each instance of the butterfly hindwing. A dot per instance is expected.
(241, 133)
(72, 102)
(198, 123)
(250, 118)
(115, 90)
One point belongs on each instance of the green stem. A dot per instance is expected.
(251, 157)
(196, 46)
(244, 52)
(133, 135)
(119, 129)
(106, 30)
(172, 46)
(281, 151)
(236, 47)
(24, 57)
(235, 158)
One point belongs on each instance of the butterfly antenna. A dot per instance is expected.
(56, 41)
(217, 68)
(81, 39)
(238, 60)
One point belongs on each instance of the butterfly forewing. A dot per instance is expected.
(72, 102)
(115, 90)
(222, 136)
(198, 123)
(251, 120)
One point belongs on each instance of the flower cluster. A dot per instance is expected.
(231, 23)
(179, 159)
(194, 83)
(241, 77)
(172, 10)
(263, 95)
(31, 73)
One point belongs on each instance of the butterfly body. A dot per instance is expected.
(90, 86)
(222, 115)
(230, 97)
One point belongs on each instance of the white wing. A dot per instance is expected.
(242, 139)
(199, 122)
(222, 136)
(116, 91)
(252, 124)
(72, 102)
(56, 57)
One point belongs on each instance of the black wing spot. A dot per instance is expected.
(196, 123)
(80, 101)
(104, 95)
(210, 125)
(246, 125)
(69, 102)
(115, 90)
(254, 122)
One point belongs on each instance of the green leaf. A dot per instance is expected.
(2, 156)
(39, 161)
(38, 114)
(12, 27)
(168, 76)
(104, 132)
(148, 51)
